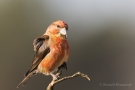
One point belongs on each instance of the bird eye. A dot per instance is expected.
(58, 26)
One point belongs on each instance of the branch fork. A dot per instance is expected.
(54, 82)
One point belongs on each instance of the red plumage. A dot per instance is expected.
(52, 51)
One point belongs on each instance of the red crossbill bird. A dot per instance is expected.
(51, 51)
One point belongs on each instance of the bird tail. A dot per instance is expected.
(25, 79)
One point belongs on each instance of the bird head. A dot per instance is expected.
(58, 28)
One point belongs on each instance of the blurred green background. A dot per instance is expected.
(101, 36)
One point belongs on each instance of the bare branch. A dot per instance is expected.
(54, 82)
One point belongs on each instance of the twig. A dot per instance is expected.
(54, 82)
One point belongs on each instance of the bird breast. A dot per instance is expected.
(55, 58)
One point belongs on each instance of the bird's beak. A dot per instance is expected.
(63, 32)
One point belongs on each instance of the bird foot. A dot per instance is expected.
(55, 77)
(63, 66)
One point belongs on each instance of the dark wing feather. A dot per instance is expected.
(42, 49)
(39, 41)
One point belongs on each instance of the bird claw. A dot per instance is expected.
(55, 77)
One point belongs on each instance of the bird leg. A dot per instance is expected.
(55, 77)
(59, 71)
(63, 66)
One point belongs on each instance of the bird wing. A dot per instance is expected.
(42, 49)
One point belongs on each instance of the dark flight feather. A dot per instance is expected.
(42, 49)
